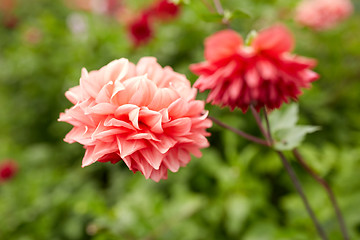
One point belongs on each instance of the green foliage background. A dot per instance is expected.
(237, 190)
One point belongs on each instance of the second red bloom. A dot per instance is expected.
(263, 74)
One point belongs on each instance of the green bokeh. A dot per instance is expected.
(237, 190)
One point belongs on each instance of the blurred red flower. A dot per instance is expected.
(262, 74)
(141, 30)
(8, 17)
(165, 9)
(8, 169)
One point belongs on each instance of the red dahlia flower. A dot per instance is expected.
(165, 9)
(141, 30)
(262, 74)
(8, 170)
(143, 114)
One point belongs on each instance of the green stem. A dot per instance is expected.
(239, 132)
(299, 189)
(327, 189)
(291, 173)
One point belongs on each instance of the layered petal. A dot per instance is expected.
(263, 74)
(143, 115)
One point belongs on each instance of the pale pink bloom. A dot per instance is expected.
(263, 74)
(143, 114)
(323, 14)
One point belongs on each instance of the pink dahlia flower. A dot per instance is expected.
(262, 74)
(143, 114)
(323, 14)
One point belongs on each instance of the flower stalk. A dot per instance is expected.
(239, 132)
(291, 173)
(327, 188)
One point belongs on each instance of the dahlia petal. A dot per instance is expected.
(180, 126)
(310, 76)
(125, 109)
(111, 157)
(76, 114)
(164, 144)
(88, 157)
(116, 70)
(274, 40)
(230, 41)
(134, 117)
(113, 122)
(183, 156)
(149, 66)
(165, 115)
(84, 73)
(195, 108)
(74, 94)
(129, 147)
(105, 93)
(102, 108)
(146, 135)
(178, 108)
(89, 86)
(153, 157)
(235, 88)
(266, 70)
(144, 94)
(152, 119)
(163, 98)
(252, 78)
(79, 134)
(144, 167)
(194, 151)
(118, 96)
(203, 68)
(172, 162)
(107, 134)
(157, 175)
(103, 148)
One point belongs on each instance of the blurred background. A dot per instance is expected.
(237, 190)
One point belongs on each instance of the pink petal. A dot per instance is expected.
(178, 108)
(152, 119)
(179, 126)
(163, 98)
(129, 147)
(116, 70)
(153, 157)
(102, 108)
(88, 157)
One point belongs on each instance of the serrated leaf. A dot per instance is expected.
(292, 137)
(285, 118)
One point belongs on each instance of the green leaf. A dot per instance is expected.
(180, 1)
(212, 17)
(292, 137)
(285, 118)
(239, 14)
(286, 133)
